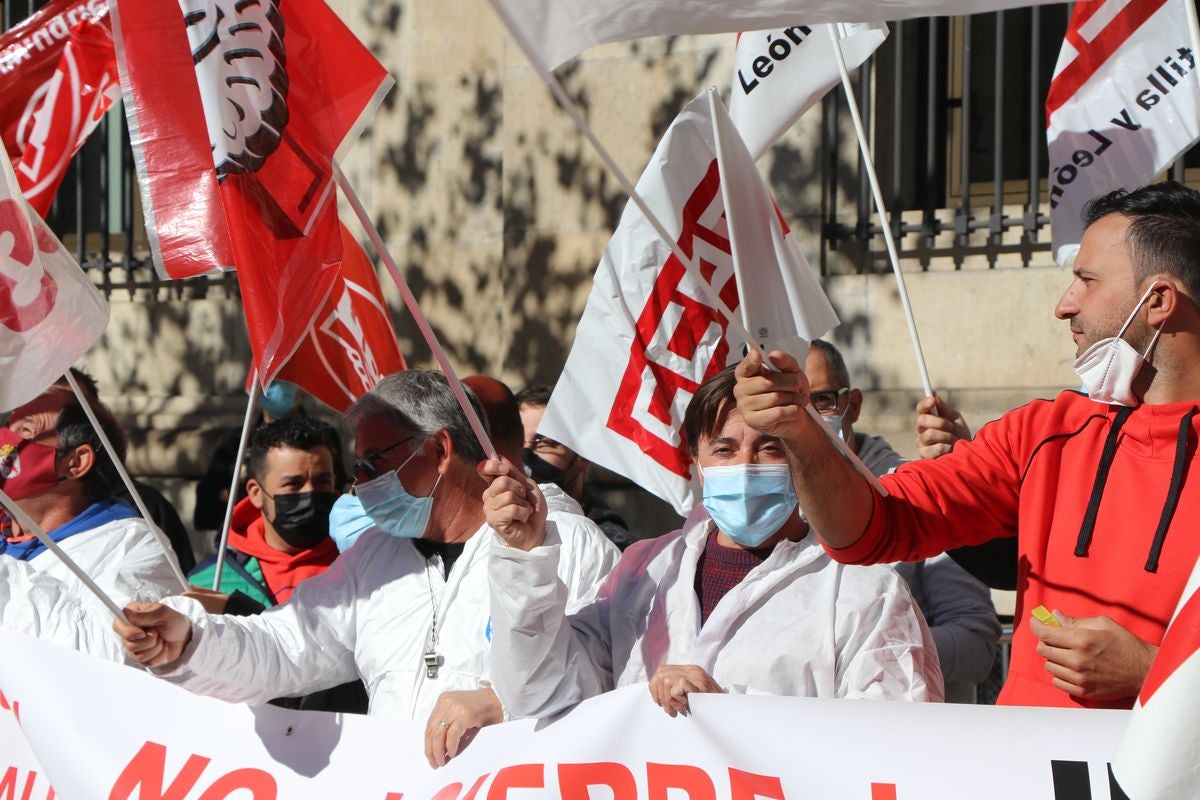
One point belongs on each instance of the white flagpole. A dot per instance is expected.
(29, 525)
(893, 255)
(439, 354)
(235, 482)
(133, 492)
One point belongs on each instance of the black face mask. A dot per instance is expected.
(302, 518)
(543, 471)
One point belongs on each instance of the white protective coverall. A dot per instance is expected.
(369, 615)
(798, 624)
(42, 598)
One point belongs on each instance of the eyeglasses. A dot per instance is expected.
(827, 403)
(543, 444)
(365, 470)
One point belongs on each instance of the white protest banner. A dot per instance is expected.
(779, 74)
(50, 313)
(1123, 104)
(1159, 756)
(562, 29)
(108, 732)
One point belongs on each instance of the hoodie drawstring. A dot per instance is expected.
(1093, 507)
(1178, 473)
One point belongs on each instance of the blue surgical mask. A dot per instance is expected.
(749, 502)
(347, 521)
(834, 421)
(393, 510)
(279, 399)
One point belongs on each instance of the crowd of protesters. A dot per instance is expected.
(430, 582)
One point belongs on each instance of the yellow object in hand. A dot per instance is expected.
(1043, 615)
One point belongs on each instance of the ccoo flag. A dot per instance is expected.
(237, 112)
(1123, 104)
(50, 314)
(779, 74)
(649, 335)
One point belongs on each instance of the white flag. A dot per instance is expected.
(1124, 103)
(779, 74)
(782, 301)
(558, 30)
(1159, 755)
(649, 335)
(50, 313)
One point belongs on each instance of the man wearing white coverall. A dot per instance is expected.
(696, 610)
(384, 611)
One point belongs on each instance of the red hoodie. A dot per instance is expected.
(281, 571)
(1104, 502)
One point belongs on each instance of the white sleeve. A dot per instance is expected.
(301, 646)
(962, 620)
(42, 606)
(884, 649)
(542, 661)
(137, 567)
(586, 558)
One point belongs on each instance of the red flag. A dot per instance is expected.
(59, 77)
(351, 343)
(237, 112)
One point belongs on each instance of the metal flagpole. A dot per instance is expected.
(251, 408)
(29, 525)
(893, 255)
(133, 492)
(439, 354)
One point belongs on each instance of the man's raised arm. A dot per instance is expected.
(836, 500)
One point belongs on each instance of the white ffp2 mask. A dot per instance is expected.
(1109, 366)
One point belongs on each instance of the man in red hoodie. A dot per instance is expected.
(280, 531)
(1099, 489)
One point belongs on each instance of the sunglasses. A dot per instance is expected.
(365, 470)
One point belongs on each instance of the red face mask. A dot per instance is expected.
(26, 467)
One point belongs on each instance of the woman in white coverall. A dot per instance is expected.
(405, 609)
(742, 599)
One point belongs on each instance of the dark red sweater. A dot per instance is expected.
(1033, 474)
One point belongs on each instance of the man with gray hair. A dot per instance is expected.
(406, 608)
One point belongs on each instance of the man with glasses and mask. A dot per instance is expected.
(1098, 488)
(406, 607)
(957, 608)
(741, 599)
(548, 461)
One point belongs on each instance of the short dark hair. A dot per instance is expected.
(535, 394)
(837, 364)
(709, 408)
(1164, 229)
(297, 432)
(86, 382)
(74, 429)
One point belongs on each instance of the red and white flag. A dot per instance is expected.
(649, 335)
(58, 76)
(1159, 754)
(1123, 104)
(351, 344)
(558, 30)
(237, 112)
(50, 313)
(779, 74)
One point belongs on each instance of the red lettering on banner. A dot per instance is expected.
(451, 792)
(668, 359)
(663, 777)
(145, 774)
(574, 780)
(27, 292)
(883, 791)
(520, 776)
(14, 706)
(12, 781)
(394, 796)
(749, 786)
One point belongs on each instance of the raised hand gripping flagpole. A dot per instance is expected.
(29, 525)
(439, 353)
(737, 327)
(133, 492)
(893, 255)
(235, 481)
